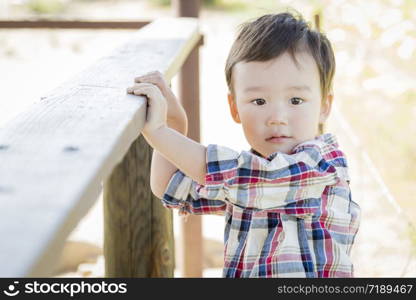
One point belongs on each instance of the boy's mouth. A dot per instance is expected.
(278, 139)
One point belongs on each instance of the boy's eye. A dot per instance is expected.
(296, 101)
(259, 101)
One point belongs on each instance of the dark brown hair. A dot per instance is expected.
(271, 35)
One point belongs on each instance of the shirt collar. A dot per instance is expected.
(327, 138)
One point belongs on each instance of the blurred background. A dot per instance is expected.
(374, 114)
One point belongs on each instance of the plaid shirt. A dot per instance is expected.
(290, 215)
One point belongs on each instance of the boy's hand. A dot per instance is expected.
(156, 116)
(175, 110)
(156, 78)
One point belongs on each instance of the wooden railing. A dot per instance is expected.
(55, 156)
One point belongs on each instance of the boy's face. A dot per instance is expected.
(278, 98)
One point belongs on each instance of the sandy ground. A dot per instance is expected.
(34, 62)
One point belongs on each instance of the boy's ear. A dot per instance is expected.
(233, 108)
(326, 108)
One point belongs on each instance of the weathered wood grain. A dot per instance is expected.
(138, 230)
(54, 156)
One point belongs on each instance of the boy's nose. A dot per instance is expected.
(277, 117)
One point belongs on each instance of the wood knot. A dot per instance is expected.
(71, 149)
(165, 255)
(6, 190)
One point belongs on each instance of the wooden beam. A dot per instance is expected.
(55, 155)
(71, 24)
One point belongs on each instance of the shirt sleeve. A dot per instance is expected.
(190, 197)
(292, 182)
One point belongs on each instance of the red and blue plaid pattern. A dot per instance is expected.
(290, 215)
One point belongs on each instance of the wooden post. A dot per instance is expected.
(138, 230)
(191, 250)
(317, 20)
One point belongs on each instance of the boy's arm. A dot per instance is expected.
(162, 169)
(184, 153)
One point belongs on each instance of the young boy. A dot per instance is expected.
(287, 202)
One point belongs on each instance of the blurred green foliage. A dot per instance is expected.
(45, 6)
(160, 2)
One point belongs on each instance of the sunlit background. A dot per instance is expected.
(374, 116)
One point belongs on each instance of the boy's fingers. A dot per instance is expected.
(134, 87)
(150, 79)
(143, 77)
(156, 75)
(145, 89)
(140, 93)
(140, 88)
(144, 84)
